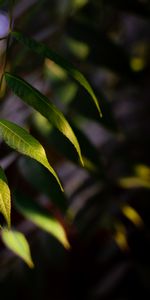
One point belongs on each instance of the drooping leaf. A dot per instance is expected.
(20, 140)
(89, 152)
(17, 243)
(39, 102)
(5, 201)
(41, 218)
(44, 51)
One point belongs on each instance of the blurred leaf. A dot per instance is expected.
(17, 243)
(137, 64)
(120, 236)
(77, 4)
(121, 240)
(143, 172)
(134, 182)
(20, 140)
(44, 51)
(132, 215)
(5, 201)
(54, 71)
(39, 102)
(66, 91)
(79, 49)
(41, 218)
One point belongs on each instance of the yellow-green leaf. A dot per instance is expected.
(132, 215)
(134, 182)
(42, 219)
(20, 140)
(44, 51)
(5, 201)
(39, 102)
(17, 243)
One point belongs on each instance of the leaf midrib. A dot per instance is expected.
(38, 94)
(14, 133)
(51, 106)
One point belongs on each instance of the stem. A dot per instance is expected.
(8, 41)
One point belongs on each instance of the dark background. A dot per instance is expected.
(109, 41)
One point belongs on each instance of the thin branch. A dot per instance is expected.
(8, 41)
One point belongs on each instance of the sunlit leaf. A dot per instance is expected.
(79, 3)
(5, 201)
(42, 218)
(137, 64)
(44, 51)
(17, 243)
(120, 236)
(39, 102)
(143, 172)
(89, 152)
(121, 240)
(132, 215)
(134, 182)
(79, 49)
(20, 140)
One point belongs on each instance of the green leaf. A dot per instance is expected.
(39, 102)
(89, 152)
(44, 51)
(20, 140)
(133, 182)
(17, 243)
(5, 202)
(41, 218)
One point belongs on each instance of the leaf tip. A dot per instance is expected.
(67, 245)
(30, 264)
(61, 187)
(81, 161)
(100, 113)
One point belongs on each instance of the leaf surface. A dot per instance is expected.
(41, 218)
(39, 102)
(5, 201)
(17, 243)
(20, 140)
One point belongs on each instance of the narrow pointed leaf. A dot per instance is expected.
(39, 102)
(20, 140)
(41, 218)
(17, 243)
(5, 201)
(44, 51)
